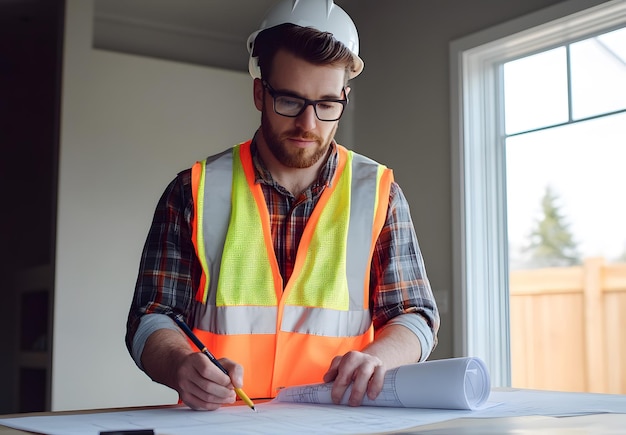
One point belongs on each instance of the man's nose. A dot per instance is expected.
(307, 120)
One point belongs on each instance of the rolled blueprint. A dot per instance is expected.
(454, 383)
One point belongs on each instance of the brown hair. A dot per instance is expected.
(308, 43)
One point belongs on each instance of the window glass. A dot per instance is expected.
(581, 166)
(599, 74)
(535, 91)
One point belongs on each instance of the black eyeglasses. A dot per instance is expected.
(292, 106)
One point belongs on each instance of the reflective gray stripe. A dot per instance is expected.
(217, 192)
(244, 319)
(262, 320)
(363, 197)
(325, 322)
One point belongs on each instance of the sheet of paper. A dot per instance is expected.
(454, 383)
(515, 402)
(272, 418)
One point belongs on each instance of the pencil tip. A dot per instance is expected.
(254, 409)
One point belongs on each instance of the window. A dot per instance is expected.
(479, 129)
(565, 144)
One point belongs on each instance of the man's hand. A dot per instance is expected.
(394, 346)
(168, 359)
(365, 372)
(203, 386)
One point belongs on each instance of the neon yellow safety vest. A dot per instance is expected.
(285, 335)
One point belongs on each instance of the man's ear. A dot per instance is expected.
(258, 92)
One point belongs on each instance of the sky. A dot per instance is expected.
(584, 162)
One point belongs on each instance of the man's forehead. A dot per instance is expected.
(292, 73)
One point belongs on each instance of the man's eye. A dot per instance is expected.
(289, 102)
(326, 106)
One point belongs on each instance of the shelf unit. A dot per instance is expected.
(34, 354)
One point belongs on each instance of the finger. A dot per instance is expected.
(345, 375)
(209, 398)
(198, 404)
(206, 394)
(207, 370)
(362, 379)
(376, 383)
(235, 371)
(211, 391)
(332, 371)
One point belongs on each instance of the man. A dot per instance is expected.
(293, 259)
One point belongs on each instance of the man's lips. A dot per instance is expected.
(302, 141)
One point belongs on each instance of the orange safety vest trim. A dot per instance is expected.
(280, 337)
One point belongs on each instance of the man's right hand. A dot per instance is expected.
(168, 359)
(201, 385)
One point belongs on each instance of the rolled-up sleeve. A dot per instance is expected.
(168, 271)
(401, 292)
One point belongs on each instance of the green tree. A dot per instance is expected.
(551, 242)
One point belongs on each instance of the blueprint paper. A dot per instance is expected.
(279, 418)
(454, 383)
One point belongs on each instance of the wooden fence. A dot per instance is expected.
(568, 328)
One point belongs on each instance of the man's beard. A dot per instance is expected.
(294, 157)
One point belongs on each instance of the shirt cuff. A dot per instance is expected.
(149, 324)
(418, 326)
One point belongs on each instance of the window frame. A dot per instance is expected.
(479, 222)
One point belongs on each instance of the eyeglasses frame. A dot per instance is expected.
(274, 93)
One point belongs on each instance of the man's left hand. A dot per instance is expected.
(364, 372)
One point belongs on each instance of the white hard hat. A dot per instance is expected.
(323, 15)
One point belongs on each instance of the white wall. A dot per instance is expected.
(129, 124)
